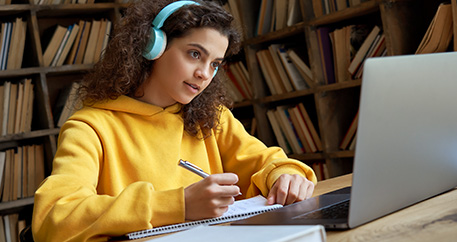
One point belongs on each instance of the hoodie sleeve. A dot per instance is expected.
(257, 166)
(68, 208)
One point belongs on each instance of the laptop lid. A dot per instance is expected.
(406, 148)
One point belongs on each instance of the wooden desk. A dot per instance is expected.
(434, 219)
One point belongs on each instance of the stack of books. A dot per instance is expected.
(79, 43)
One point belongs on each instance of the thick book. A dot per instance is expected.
(54, 44)
(350, 133)
(439, 33)
(362, 52)
(239, 210)
(249, 233)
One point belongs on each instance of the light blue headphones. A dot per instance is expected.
(158, 40)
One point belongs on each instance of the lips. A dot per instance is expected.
(196, 87)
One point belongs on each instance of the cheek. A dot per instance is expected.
(206, 84)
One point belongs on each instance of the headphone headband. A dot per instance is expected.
(167, 11)
(158, 40)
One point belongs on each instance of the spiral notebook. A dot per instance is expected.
(239, 210)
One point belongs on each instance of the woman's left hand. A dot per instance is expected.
(289, 189)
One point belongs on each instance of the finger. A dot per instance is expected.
(223, 202)
(224, 178)
(294, 191)
(232, 191)
(282, 185)
(309, 190)
(220, 211)
(271, 199)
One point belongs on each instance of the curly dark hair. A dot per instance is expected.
(122, 69)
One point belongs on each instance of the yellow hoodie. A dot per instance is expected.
(116, 170)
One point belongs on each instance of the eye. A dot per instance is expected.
(194, 54)
(215, 64)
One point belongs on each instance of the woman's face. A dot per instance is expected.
(185, 69)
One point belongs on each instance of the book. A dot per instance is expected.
(241, 209)
(326, 53)
(310, 125)
(304, 69)
(19, 105)
(14, 44)
(27, 107)
(2, 228)
(7, 179)
(454, 21)
(6, 105)
(241, 80)
(264, 17)
(302, 130)
(232, 90)
(283, 117)
(260, 55)
(12, 108)
(294, 14)
(249, 233)
(280, 8)
(364, 48)
(6, 45)
(350, 133)
(341, 53)
(2, 42)
(54, 44)
(68, 44)
(439, 33)
(30, 170)
(274, 52)
(39, 165)
(317, 8)
(92, 42)
(2, 169)
(16, 49)
(100, 40)
(62, 46)
(71, 56)
(2, 99)
(273, 72)
(297, 80)
(279, 134)
(106, 37)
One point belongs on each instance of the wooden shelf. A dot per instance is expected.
(29, 135)
(14, 206)
(286, 32)
(356, 11)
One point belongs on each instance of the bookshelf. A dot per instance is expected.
(332, 106)
(47, 81)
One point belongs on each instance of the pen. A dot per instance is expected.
(193, 168)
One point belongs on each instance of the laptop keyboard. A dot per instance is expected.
(335, 211)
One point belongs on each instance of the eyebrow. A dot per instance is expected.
(204, 50)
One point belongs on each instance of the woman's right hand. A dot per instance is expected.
(210, 197)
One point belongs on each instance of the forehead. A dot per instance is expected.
(210, 39)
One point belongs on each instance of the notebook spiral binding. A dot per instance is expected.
(188, 225)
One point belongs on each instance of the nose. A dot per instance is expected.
(204, 73)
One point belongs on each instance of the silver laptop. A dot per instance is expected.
(406, 148)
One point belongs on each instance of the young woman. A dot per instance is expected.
(116, 168)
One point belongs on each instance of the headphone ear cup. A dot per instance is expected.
(156, 44)
(215, 72)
